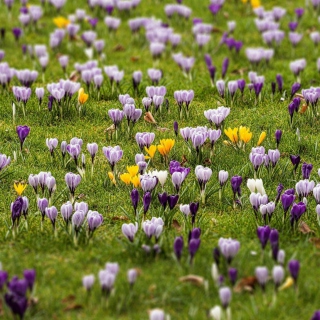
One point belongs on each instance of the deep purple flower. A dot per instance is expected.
(172, 200)
(295, 160)
(241, 85)
(287, 200)
(225, 65)
(233, 273)
(134, 199)
(279, 82)
(146, 202)
(178, 247)
(263, 235)
(235, 184)
(294, 267)
(214, 8)
(274, 242)
(279, 191)
(17, 303)
(22, 132)
(3, 278)
(16, 209)
(293, 25)
(193, 247)
(299, 12)
(257, 88)
(194, 207)
(176, 128)
(17, 33)
(278, 135)
(30, 276)
(195, 233)
(316, 315)
(273, 87)
(216, 255)
(297, 210)
(306, 170)
(163, 199)
(295, 88)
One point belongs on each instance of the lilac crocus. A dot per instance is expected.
(229, 248)
(113, 155)
(261, 274)
(225, 296)
(129, 230)
(66, 211)
(52, 213)
(94, 220)
(51, 144)
(72, 180)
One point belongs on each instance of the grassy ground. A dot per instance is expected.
(60, 266)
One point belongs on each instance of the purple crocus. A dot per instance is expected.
(129, 230)
(229, 248)
(295, 160)
(295, 88)
(16, 210)
(278, 135)
(294, 267)
(225, 296)
(134, 199)
(193, 247)
(113, 155)
(306, 170)
(274, 242)
(146, 202)
(235, 184)
(178, 247)
(233, 273)
(17, 33)
(30, 276)
(297, 210)
(263, 235)
(22, 132)
(72, 180)
(225, 65)
(173, 200)
(287, 200)
(194, 207)
(279, 82)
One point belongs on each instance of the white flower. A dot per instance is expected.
(215, 313)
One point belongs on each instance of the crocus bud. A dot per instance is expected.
(132, 275)
(225, 296)
(178, 247)
(88, 281)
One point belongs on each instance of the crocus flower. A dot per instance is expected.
(229, 248)
(113, 155)
(295, 160)
(51, 144)
(94, 219)
(88, 281)
(72, 181)
(129, 230)
(157, 314)
(263, 235)
(294, 267)
(82, 97)
(193, 247)
(233, 273)
(261, 274)
(107, 280)
(22, 132)
(235, 184)
(297, 210)
(306, 170)
(92, 149)
(178, 247)
(295, 88)
(52, 213)
(16, 209)
(277, 275)
(225, 296)
(66, 211)
(146, 202)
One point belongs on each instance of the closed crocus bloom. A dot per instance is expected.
(172, 200)
(203, 175)
(92, 149)
(78, 219)
(251, 184)
(52, 213)
(223, 177)
(113, 155)
(306, 170)
(132, 275)
(146, 202)
(261, 138)
(161, 175)
(263, 235)
(42, 205)
(107, 280)
(51, 144)
(316, 315)
(277, 275)
(30, 277)
(72, 180)
(259, 186)
(23, 132)
(16, 209)
(225, 296)
(88, 281)
(229, 248)
(185, 209)
(294, 267)
(178, 247)
(215, 313)
(94, 220)
(157, 314)
(66, 211)
(129, 230)
(232, 134)
(274, 156)
(261, 274)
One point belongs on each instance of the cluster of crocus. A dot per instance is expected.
(16, 292)
(114, 75)
(190, 210)
(4, 162)
(239, 137)
(179, 9)
(113, 155)
(131, 176)
(185, 63)
(22, 94)
(217, 116)
(155, 97)
(256, 55)
(183, 99)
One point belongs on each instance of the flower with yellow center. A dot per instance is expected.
(61, 22)
(19, 187)
(165, 146)
(82, 97)
(133, 170)
(150, 151)
(261, 138)
(111, 177)
(255, 4)
(232, 134)
(244, 134)
(126, 178)
(135, 181)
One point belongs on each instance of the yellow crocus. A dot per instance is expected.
(255, 4)
(150, 151)
(19, 187)
(61, 22)
(135, 181)
(111, 177)
(244, 134)
(288, 283)
(261, 138)
(133, 170)
(126, 178)
(232, 134)
(82, 97)
(165, 146)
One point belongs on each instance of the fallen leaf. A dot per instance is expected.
(246, 284)
(74, 76)
(33, 301)
(315, 242)
(176, 225)
(134, 59)
(216, 30)
(68, 299)
(226, 15)
(121, 218)
(119, 47)
(149, 118)
(299, 95)
(304, 108)
(73, 306)
(304, 228)
(240, 71)
(110, 129)
(184, 160)
(194, 279)
(163, 129)
(207, 161)
(81, 195)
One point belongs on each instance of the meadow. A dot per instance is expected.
(272, 269)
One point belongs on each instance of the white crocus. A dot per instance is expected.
(256, 186)
(215, 313)
(161, 175)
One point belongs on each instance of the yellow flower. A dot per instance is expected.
(151, 151)
(244, 134)
(111, 177)
(82, 97)
(261, 138)
(19, 187)
(126, 178)
(61, 22)
(232, 134)
(133, 170)
(135, 181)
(288, 283)
(165, 146)
(255, 4)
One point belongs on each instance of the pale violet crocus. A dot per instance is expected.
(153, 227)
(88, 281)
(72, 180)
(92, 149)
(129, 230)
(304, 187)
(52, 143)
(113, 155)
(203, 175)
(223, 178)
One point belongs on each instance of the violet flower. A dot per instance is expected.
(306, 170)
(178, 247)
(263, 235)
(294, 267)
(129, 230)
(22, 132)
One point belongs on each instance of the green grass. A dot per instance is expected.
(60, 266)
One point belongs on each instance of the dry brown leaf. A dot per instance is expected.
(299, 95)
(216, 30)
(73, 306)
(315, 242)
(163, 129)
(81, 195)
(121, 218)
(134, 59)
(245, 284)
(207, 162)
(110, 129)
(226, 15)
(33, 301)
(74, 76)
(304, 228)
(304, 108)
(240, 71)
(149, 118)
(68, 299)
(192, 278)
(176, 225)
(184, 160)
(119, 47)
